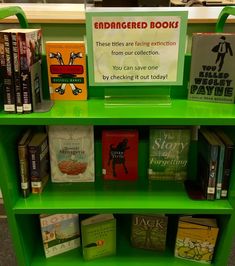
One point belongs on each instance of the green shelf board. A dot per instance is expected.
(168, 197)
(97, 112)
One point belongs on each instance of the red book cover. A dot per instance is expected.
(120, 154)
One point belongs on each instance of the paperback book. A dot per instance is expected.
(98, 236)
(120, 154)
(211, 75)
(196, 239)
(149, 231)
(168, 153)
(72, 153)
(66, 62)
(60, 233)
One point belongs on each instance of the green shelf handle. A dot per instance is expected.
(224, 13)
(14, 10)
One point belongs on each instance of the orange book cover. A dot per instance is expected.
(67, 74)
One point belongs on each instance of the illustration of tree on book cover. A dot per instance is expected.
(212, 76)
(168, 153)
(149, 231)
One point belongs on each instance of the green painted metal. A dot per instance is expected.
(224, 13)
(17, 11)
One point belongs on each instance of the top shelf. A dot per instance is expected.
(97, 112)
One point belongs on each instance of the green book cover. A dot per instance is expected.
(98, 236)
(149, 231)
(168, 153)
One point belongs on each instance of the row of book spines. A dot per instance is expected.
(220, 163)
(17, 83)
(30, 160)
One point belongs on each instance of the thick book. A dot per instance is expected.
(23, 156)
(149, 231)
(168, 153)
(120, 154)
(30, 50)
(208, 151)
(228, 158)
(7, 71)
(211, 73)
(67, 73)
(38, 150)
(196, 239)
(60, 233)
(72, 153)
(98, 236)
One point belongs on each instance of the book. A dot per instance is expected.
(30, 54)
(71, 153)
(60, 233)
(98, 236)
(168, 153)
(220, 168)
(149, 231)
(67, 73)
(196, 239)
(38, 150)
(7, 71)
(208, 150)
(211, 72)
(120, 154)
(23, 157)
(228, 158)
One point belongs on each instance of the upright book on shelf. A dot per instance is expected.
(208, 151)
(211, 75)
(38, 161)
(149, 231)
(228, 158)
(23, 157)
(196, 239)
(120, 154)
(168, 153)
(98, 236)
(60, 233)
(72, 153)
(67, 74)
(7, 71)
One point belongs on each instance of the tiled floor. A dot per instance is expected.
(7, 256)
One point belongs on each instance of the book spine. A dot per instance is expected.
(220, 172)
(24, 170)
(8, 78)
(212, 173)
(228, 158)
(25, 74)
(18, 92)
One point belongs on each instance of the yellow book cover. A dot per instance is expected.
(67, 74)
(196, 239)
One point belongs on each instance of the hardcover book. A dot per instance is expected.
(60, 233)
(98, 236)
(168, 153)
(38, 161)
(228, 158)
(23, 157)
(72, 153)
(196, 239)
(208, 150)
(120, 154)
(7, 71)
(66, 62)
(149, 231)
(211, 75)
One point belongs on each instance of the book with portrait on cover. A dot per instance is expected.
(212, 76)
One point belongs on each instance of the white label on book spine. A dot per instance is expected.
(24, 185)
(104, 171)
(36, 184)
(9, 107)
(27, 107)
(19, 109)
(211, 190)
(224, 193)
